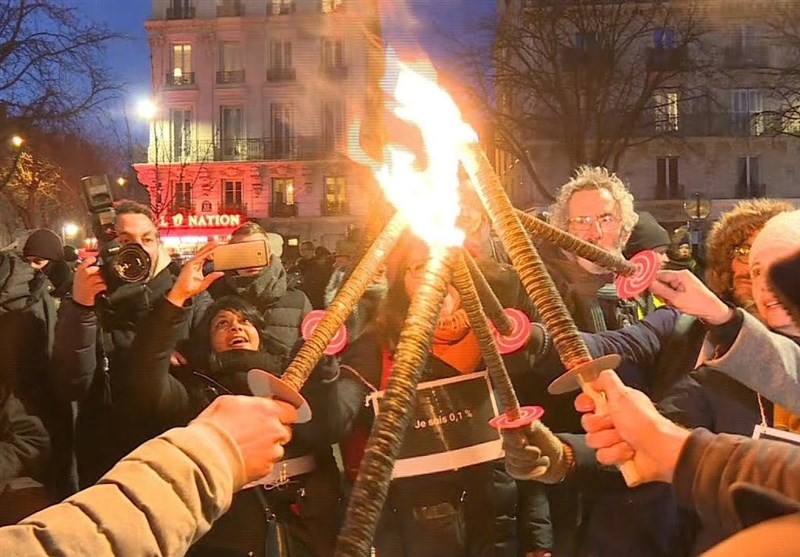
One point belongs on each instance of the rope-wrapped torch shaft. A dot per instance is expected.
(489, 301)
(396, 408)
(308, 356)
(576, 246)
(532, 272)
(495, 365)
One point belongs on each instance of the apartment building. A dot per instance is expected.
(716, 130)
(252, 101)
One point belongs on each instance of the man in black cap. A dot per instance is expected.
(648, 235)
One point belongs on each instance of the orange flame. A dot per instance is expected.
(427, 198)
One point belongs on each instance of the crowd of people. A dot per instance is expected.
(127, 425)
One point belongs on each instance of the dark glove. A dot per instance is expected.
(536, 455)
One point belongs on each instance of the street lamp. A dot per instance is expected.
(121, 181)
(69, 230)
(17, 141)
(697, 209)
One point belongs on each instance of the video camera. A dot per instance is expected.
(127, 263)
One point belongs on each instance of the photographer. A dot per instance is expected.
(282, 306)
(94, 335)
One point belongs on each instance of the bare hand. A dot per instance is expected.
(259, 426)
(687, 293)
(88, 282)
(631, 430)
(191, 280)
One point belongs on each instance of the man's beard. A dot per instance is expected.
(594, 268)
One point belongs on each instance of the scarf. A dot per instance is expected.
(455, 343)
(262, 290)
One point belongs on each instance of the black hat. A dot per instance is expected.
(44, 243)
(647, 234)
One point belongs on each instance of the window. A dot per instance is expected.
(181, 124)
(229, 8)
(230, 63)
(665, 38)
(746, 38)
(232, 132)
(182, 199)
(586, 40)
(283, 198)
(280, 54)
(232, 196)
(746, 108)
(282, 130)
(667, 186)
(332, 53)
(280, 7)
(280, 61)
(335, 195)
(330, 6)
(180, 9)
(181, 73)
(332, 125)
(666, 107)
(749, 178)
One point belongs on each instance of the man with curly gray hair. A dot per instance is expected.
(596, 207)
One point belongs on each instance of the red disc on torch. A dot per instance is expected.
(520, 332)
(337, 343)
(527, 415)
(647, 263)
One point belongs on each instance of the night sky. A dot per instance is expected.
(428, 20)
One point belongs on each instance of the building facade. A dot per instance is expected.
(718, 129)
(252, 103)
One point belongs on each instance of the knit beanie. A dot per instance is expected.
(647, 234)
(781, 233)
(44, 243)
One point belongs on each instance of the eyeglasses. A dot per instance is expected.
(606, 222)
(742, 253)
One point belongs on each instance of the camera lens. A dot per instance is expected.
(132, 263)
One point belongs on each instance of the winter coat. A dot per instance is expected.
(732, 482)
(92, 344)
(149, 394)
(767, 362)
(157, 501)
(473, 502)
(282, 306)
(316, 273)
(709, 399)
(24, 443)
(27, 331)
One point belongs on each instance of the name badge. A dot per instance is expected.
(772, 434)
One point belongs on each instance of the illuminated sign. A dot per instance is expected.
(179, 220)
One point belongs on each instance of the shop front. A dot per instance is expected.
(183, 234)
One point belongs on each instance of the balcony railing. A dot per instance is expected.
(230, 9)
(738, 57)
(184, 207)
(713, 124)
(256, 149)
(334, 208)
(280, 8)
(283, 210)
(666, 59)
(183, 80)
(334, 72)
(233, 207)
(573, 58)
(230, 76)
(183, 12)
(281, 74)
